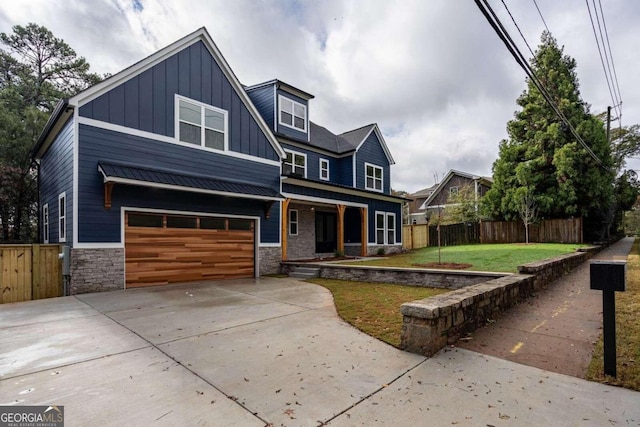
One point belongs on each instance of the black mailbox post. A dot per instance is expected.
(609, 277)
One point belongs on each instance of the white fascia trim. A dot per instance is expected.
(76, 168)
(437, 190)
(323, 200)
(275, 108)
(353, 166)
(341, 190)
(181, 188)
(199, 35)
(381, 177)
(321, 151)
(383, 144)
(171, 140)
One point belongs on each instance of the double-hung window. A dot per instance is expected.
(297, 163)
(202, 125)
(385, 228)
(292, 114)
(293, 222)
(373, 177)
(324, 169)
(45, 223)
(62, 218)
(453, 191)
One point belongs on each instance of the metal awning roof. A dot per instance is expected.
(120, 173)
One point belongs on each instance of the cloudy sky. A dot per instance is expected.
(431, 73)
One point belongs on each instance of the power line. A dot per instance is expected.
(502, 33)
(606, 55)
(542, 17)
(613, 65)
(606, 76)
(516, 24)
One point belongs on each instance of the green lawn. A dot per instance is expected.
(495, 257)
(374, 308)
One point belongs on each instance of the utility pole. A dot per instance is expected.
(609, 125)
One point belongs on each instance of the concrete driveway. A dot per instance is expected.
(263, 352)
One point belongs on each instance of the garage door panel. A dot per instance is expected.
(157, 255)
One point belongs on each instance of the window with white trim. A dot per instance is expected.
(453, 191)
(297, 162)
(385, 228)
(292, 114)
(373, 177)
(62, 218)
(201, 124)
(293, 222)
(324, 169)
(45, 223)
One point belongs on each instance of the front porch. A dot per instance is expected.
(315, 229)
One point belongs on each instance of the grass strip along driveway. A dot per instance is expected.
(627, 332)
(491, 257)
(374, 308)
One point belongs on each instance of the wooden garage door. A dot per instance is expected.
(162, 249)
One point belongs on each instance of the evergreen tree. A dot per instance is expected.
(541, 155)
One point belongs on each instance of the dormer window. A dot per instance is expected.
(292, 114)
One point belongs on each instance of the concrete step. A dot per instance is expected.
(304, 272)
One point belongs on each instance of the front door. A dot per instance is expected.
(326, 232)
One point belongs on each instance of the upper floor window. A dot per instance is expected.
(45, 223)
(292, 114)
(62, 218)
(324, 169)
(373, 177)
(296, 163)
(453, 191)
(200, 124)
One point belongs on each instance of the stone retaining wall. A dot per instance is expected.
(432, 323)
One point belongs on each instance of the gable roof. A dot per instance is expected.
(360, 135)
(200, 34)
(446, 179)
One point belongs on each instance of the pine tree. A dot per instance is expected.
(541, 155)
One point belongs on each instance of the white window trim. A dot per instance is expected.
(453, 190)
(293, 160)
(387, 229)
(202, 105)
(62, 216)
(45, 223)
(280, 122)
(381, 190)
(296, 222)
(320, 162)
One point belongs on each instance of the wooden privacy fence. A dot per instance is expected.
(545, 231)
(29, 272)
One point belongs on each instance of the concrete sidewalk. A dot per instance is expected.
(266, 352)
(556, 330)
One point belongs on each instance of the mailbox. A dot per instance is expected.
(608, 275)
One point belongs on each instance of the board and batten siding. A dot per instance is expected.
(56, 176)
(345, 170)
(373, 206)
(146, 102)
(371, 152)
(262, 98)
(97, 224)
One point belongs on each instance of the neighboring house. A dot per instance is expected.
(173, 171)
(429, 200)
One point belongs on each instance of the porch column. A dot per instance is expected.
(285, 232)
(341, 209)
(363, 231)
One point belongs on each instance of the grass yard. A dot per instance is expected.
(627, 332)
(374, 308)
(495, 257)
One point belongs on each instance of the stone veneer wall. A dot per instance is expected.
(302, 246)
(393, 249)
(432, 323)
(95, 270)
(270, 258)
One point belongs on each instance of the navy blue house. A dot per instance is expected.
(172, 171)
